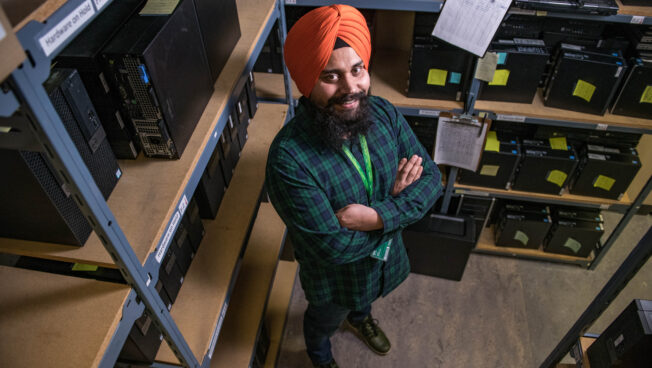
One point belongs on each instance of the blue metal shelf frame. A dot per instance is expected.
(42, 42)
(408, 5)
(618, 18)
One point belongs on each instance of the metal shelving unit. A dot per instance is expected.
(139, 265)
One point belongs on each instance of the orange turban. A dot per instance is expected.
(311, 40)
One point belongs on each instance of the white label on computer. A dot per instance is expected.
(66, 27)
(99, 4)
(434, 113)
(515, 118)
(168, 237)
(620, 69)
(183, 204)
(637, 19)
(211, 348)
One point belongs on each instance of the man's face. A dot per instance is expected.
(343, 77)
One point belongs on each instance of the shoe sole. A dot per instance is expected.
(359, 336)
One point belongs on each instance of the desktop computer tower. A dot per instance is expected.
(212, 187)
(36, 205)
(84, 54)
(544, 170)
(635, 96)
(496, 169)
(163, 77)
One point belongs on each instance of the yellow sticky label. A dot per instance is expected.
(437, 77)
(500, 77)
(83, 267)
(646, 97)
(522, 237)
(492, 142)
(604, 182)
(584, 90)
(489, 170)
(559, 143)
(557, 177)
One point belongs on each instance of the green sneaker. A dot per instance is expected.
(331, 364)
(369, 332)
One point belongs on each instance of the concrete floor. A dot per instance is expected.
(504, 313)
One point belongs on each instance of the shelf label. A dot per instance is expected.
(637, 19)
(434, 113)
(168, 237)
(601, 126)
(514, 118)
(211, 348)
(99, 4)
(183, 204)
(3, 33)
(66, 27)
(292, 2)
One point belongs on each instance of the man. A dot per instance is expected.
(346, 175)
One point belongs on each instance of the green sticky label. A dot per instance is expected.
(83, 267)
(557, 177)
(437, 77)
(559, 143)
(604, 182)
(584, 90)
(492, 143)
(521, 237)
(489, 170)
(382, 251)
(573, 245)
(646, 97)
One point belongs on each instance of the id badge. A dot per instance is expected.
(382, 252)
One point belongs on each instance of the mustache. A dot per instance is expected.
(336, 100)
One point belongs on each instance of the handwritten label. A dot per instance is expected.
(637, 19)
(646, 97)
(99, 4)
(501, 76)
(604, 182)
(434, 113)
(557, 177)
(168, 237)
(514, 118)
(66, 27)
(558, 143)
(489, 170)
(492, 143)
(211, 348)
(521, 237)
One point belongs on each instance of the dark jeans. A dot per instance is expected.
(321, 322)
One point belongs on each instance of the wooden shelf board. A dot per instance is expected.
(62, 320)
(645, 11)
(236, 343)
(487, 243)
(389, 75)
(11, 50)
(277, 307)
(271, 85)
(148, 193)
(567, 197)
(22, 11)
(206, 284)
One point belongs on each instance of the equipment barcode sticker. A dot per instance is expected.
(211, 348)
(434, 113)
(637, 19)
(515, 118)
(168, 237)
(66, 27)
(183, 204)
(601, 127)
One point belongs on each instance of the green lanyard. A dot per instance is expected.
(368, 179)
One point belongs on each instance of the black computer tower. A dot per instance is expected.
(478, 208)
(605, 174)
(635, 96)
(84, 54)
(212, 187)
(425, 129)
(440, 245)
(521, 63)
(163, 77)
(496, 168)
(36, 205)
(170, 274)
(242, 112)
(438, 71)
(584, 79)
(627, 340)
(573, 237)
(252, 99)
(220, 31)
(521, 229)
(544, 170)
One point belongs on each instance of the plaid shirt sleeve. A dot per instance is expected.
(302, 204)
(414, 201)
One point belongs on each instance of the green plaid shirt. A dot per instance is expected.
(308, 182)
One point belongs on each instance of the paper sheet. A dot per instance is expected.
(492, 142)
(557, 177)
(461, 144)
(470, 24)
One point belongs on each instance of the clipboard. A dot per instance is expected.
(460, 140)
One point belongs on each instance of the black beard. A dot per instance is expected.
(334, 127)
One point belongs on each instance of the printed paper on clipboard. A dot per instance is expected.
(470, 24)
(460, 141)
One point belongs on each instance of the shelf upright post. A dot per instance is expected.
(469, 105)
(609, 292)
(57, 145)
(282, 29)
(631, 211)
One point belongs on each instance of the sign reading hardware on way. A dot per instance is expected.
(168, 236)
(66, 27)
